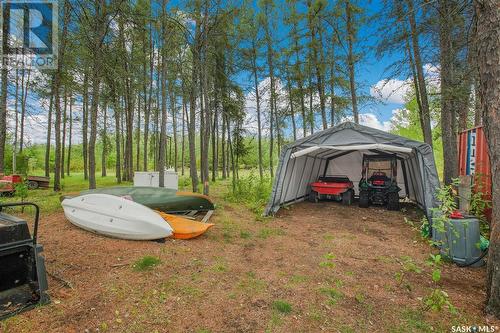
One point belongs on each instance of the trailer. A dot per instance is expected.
(35, 182)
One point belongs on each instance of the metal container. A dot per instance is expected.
(474, 161)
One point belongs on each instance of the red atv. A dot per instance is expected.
(338, 188)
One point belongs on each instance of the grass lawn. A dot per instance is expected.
(314, 267)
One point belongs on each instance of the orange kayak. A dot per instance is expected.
(184, 228)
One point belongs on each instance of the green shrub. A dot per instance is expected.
(252, 191)
(438, 300)
(146, 263)
(282, 306)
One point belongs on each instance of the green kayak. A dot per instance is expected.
(159, 198)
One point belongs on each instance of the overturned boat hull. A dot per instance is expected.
(116, 217)
(162, 199)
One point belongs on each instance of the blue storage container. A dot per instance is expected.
(460, 240)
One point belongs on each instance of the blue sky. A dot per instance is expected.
(370, 71)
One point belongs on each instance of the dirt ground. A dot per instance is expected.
(315, 267)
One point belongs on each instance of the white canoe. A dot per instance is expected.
(117, 217)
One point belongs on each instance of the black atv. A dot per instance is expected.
(378, 184)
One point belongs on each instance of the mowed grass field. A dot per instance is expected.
(312, 268)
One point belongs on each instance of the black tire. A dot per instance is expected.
(313, 196)
(364, 200)
(347, 197)
(393, 201)
(32, 185)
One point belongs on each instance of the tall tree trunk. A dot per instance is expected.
(49, 131)
(257, 99)
(156, 125)
(310, 90)
(64, 121)
(104, 139)
(425, 114)
(173, 107)
(3, 92)
(215, 144)
(448, 115)
(332, 82)
(85, 124)
(163, 126)
(317, 62)
(183, 142)
(292, 112)
(129, 122)
(57, 101)
(415, 82)
(192, 110)
(351, 61)
(138, 133)
(223, 145)
(122, 137)
(298, 77)
(207, 118)
(231, 153)
(100, 8)
(116, 114)
(14, 148)
(202, 122)
(24, 97)
(70, 133)
(129, 99)
(488, 48)
(303, 108)
(272, 104)
(320, 73)
(150, 98)
(277, 115)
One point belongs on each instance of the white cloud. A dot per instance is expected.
(35, 125)
(391, 91)
(371, 120)
(396, 90)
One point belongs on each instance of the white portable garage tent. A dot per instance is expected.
(339, 151)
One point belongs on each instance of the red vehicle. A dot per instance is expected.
(8, 183)
(338, 188)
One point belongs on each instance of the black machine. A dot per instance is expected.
(378, 184)
(23, 278)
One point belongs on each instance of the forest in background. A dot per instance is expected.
(133, 77)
